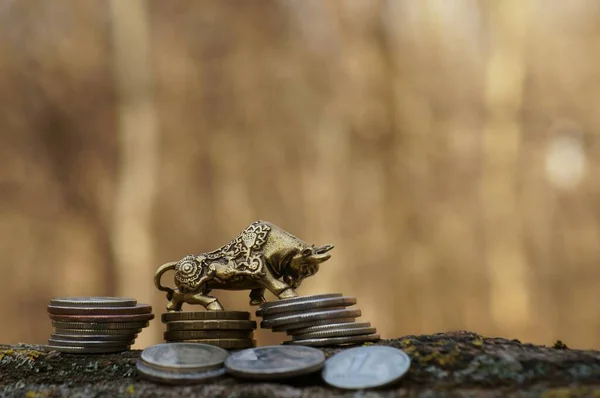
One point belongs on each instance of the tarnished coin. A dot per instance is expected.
(98, 332)
(297, 299)
(207, 334)
(102, 318)
(100, 325)
(173, 378)
(90, 344)
(183, 357)
(87, 350)
(93, 302)
(307, 305)
(274, 362)
(137, 309)
(95, 337)
(327, 341)
(228, 344)
(335, 333)
(205, 315)
(211, 325)
(366, 367)
(299, 317)
(290, 329)
(327, 327)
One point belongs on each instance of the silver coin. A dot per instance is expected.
(93, 302)
(330, 326)
(228, 344)
(366, 367)
(171, 378)
(87, 350)
(335, 333)
(217, 324)
(100, 325)
(205, 316)
(271, 304)
(183, 357)
(95, 337)
(88, 344)
(98, 332)
(274, 362)
(329, 341)
(308, 305)
(296, 318)
(290, 329)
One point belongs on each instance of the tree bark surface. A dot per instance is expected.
(455, 364)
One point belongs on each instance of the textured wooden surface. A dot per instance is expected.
(459, 364)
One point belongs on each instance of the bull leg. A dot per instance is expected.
(176, 301)
(278, 288)
(257, 296)
(209, 302)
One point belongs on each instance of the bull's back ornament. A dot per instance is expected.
(263, 256)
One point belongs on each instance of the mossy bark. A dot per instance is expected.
(457, 364)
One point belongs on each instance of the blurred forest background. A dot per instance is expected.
(446, 148)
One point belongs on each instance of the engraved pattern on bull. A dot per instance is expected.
(262, 257)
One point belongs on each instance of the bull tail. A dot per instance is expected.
(157, 276)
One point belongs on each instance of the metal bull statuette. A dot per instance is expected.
(262, 257)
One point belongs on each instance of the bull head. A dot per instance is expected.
(305, 263)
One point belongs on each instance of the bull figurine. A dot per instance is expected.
(262, 257)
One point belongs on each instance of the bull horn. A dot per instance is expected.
(323, 249)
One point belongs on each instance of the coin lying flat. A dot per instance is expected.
(205, 315)
(274, 362)
(183, 357)
(102, 318)
(298, 299)
(87, 350)
(100, 325)
(94, 337)
(208, 334)
(137, 309)
(307, 305)
(335, 333)
(326, 341)
(98, 332)
(290, 329)
(365, 367)
(328, 327)
(228, 344)
(173, 378)
(89, 343)
(299, 317)
(93, 302)
(211, 325)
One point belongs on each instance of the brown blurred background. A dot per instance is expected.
(448, 149)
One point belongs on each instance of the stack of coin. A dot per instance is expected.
(319, 320)
(96, 325)
(224, 329)
(181, 363)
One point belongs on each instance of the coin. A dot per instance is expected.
(297, 299)
(100, 325)
(90, 344)
(94, 337)
(296, 318)
(93, 302)
(290, 329)
(177, 378)
(295, 306)
(335, 333)
(327, 341)
(87, 350)
(274, 362)
(229, 344)
(205, 315)
(207, 334)
(211, 325)
(330, 326)
(98, 332)
(366, 367)
(102, 318)
(183, 357)
(137, 309)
